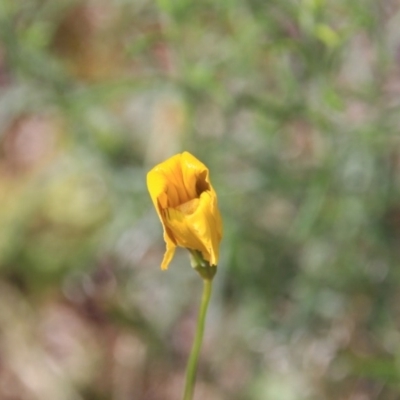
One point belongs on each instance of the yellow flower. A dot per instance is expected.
(186, 204)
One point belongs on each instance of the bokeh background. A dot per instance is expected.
(294, 106)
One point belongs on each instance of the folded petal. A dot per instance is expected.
(206, 224)
(200, 229)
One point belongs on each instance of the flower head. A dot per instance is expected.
(186, 204)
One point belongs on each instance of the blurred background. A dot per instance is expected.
(294, 107)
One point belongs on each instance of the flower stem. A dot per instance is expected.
(191, 367)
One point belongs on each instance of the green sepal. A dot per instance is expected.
(203, 267)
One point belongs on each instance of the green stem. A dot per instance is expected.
(191, 367)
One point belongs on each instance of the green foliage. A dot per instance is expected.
(293, 105)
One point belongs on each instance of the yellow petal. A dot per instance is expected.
(169, 252)
(195, 175)
(200, 228)
(186, 204)
(206, 223)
